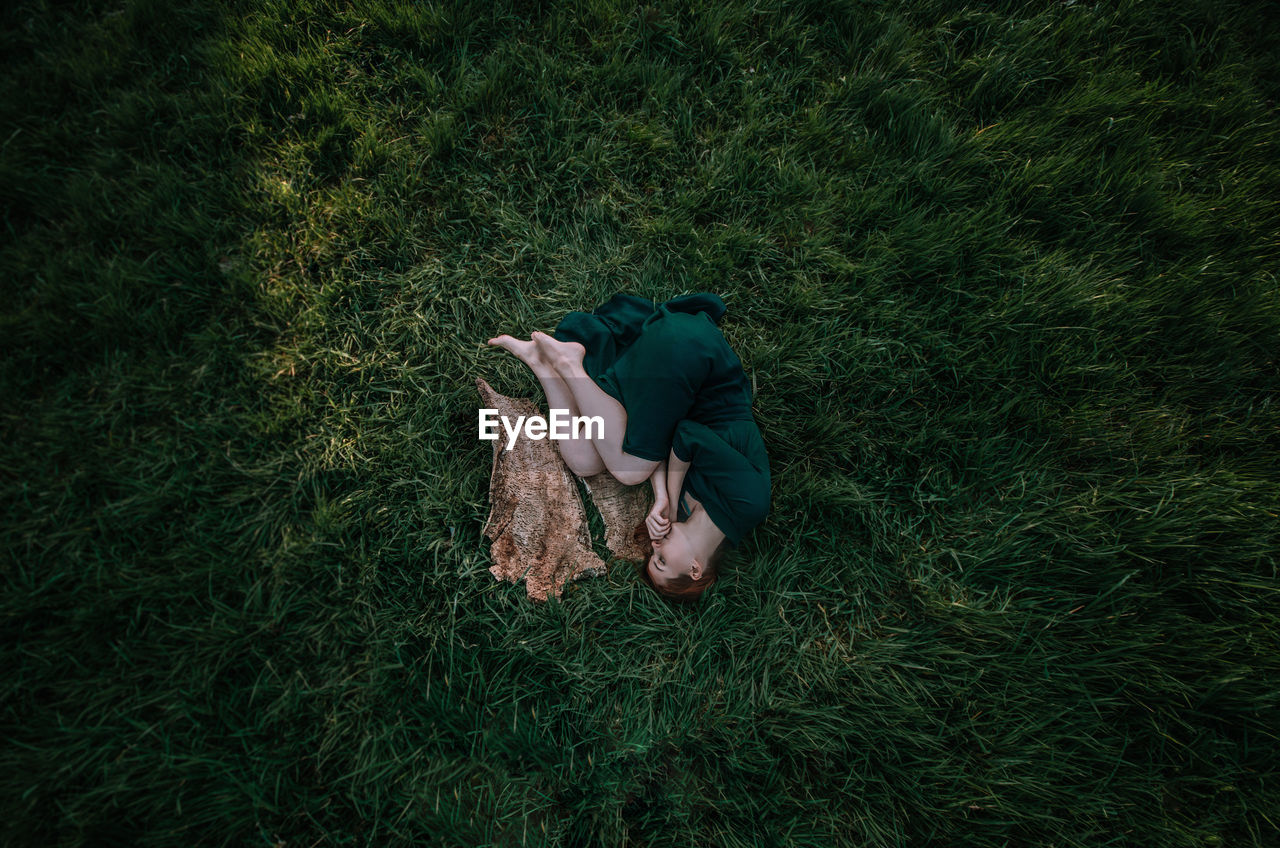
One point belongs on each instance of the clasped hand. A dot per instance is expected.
(657, 521)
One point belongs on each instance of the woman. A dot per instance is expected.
(676, 408)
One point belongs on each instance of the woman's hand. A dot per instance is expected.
(657, 522)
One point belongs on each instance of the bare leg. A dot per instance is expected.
(593, 401)
(578, 453)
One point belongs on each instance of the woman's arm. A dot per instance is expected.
(659, 518)
(659, 480)
(674, 472)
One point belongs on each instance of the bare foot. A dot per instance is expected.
(557, 353)
(526, 352)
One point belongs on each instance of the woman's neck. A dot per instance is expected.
(703, 533)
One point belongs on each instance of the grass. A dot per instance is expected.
(1004, 276)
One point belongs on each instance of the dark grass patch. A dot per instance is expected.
(1003, 279)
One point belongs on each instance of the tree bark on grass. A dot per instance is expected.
(537, 520)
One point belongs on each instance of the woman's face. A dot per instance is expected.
(671, 556)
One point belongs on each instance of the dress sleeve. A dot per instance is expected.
(684, 444)
(734, 492)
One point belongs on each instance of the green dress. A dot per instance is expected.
(685, 392)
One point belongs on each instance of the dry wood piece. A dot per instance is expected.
(623, 509)
(537, 521)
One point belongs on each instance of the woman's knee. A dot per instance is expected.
(633, 475)
(582, 459)
(585, 468)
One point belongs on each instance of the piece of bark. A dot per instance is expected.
(622, 509)
(537, 521)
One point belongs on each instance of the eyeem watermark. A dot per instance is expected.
(537, 428)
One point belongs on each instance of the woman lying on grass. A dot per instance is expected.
(676, 408)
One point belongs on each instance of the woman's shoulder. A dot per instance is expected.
(743, 433)
(735, 440)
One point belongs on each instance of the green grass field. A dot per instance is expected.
(1004, 276)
